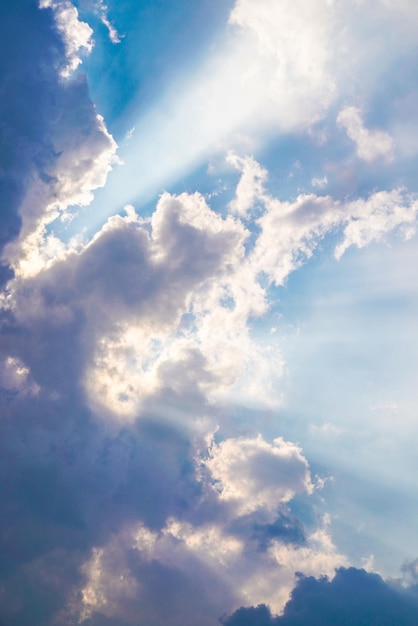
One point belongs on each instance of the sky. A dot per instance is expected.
(208, 313)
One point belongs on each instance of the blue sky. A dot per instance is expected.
(208, 313)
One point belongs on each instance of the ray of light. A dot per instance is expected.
(238, 96)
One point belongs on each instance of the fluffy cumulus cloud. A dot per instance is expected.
(252, 474)
(205, 570)
(207, 559)
(134, 492)
(83, 155)
(146, 293)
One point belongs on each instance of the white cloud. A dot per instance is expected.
(152, 319)
(253, 474)
(103, 14)
(184, 559)
(166, 305)
(161, 319)
(250, 186)
(318, 558)
(371, 144)
(281, 67)
(187, 219)
(123, 370)
(76, 34)
(221, 570)
(109, 589)
(84, 154)
(168, 302)
(290, 232)
(190, 333)
(269, 74)
(292, 54)
(371, 219)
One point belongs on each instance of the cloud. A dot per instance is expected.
(371, 219)
(220, 565)
(103, 13)
(250, 186)
(28, 108)
(85, 155)
(268, 74)
(155, 302)
(280, 68)
(120, 356)
(370, 144)
(252, 474)
(352, 597)
(319, 182)
(292, 55)
(285, 527)
(75, 34)
(290, 231)
(119, 359)
(123, 579)
(55, 147)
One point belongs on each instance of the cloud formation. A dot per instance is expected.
(352, 597)
(75, 34)
(370, 144)
(55, 146)
(252, 474)
(134, 365)
(132, 339)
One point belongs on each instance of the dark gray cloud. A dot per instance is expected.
(286, 527)
(352, 597)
